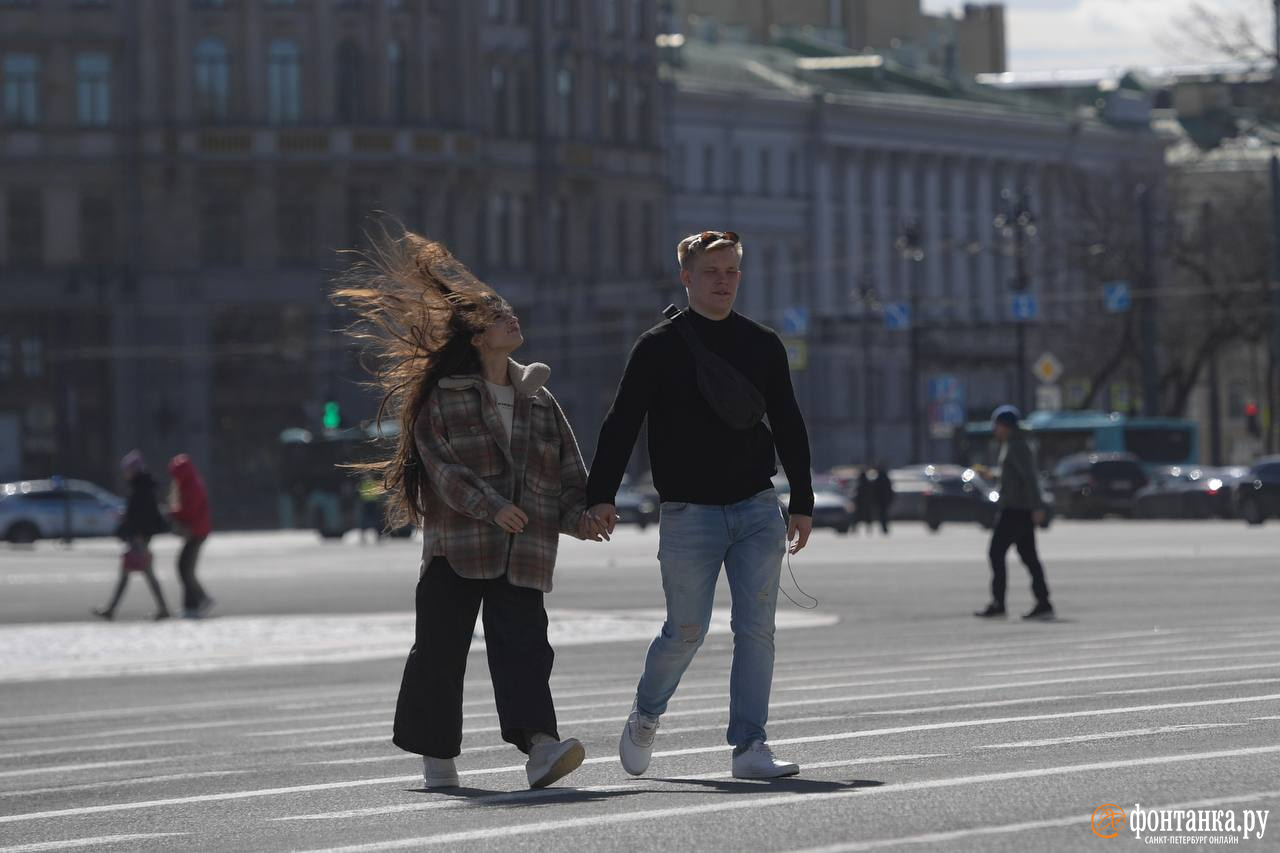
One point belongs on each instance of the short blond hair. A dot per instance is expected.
(706, 241)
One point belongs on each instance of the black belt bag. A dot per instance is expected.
(729, 394)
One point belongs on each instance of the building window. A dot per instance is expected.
(397, 81)
(498, 232)
(735, 170)
(679, 167)
(639, 18)
(793, 173)
(26, 227)
(295, 227)
(213, 80)
(22, 89)
(766, 171)
(644, 115)
(498, 99)
(617, 122)
(350, 83)
(623, 246)
(93, 89)
(284, 82)
(610, 17)
(708, 168)
(362, 203)
(558, 260)
(521, 223)
(32, 357)
(564, 90)
(97, 230)
(222, 231)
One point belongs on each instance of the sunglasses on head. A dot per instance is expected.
(706, 238)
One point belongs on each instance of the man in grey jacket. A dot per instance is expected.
(1021, 510)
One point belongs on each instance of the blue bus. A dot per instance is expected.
(1156, 441)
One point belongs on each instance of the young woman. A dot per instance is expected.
(141, 521)
(486, 464)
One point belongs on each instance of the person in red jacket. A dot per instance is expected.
(189, 514)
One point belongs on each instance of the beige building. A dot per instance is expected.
(969, 42)
(176, 175)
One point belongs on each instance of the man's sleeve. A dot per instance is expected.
(789, 433)
(622, 424)
(1026, 464)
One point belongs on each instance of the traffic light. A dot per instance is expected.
(1251, 419)
(332, 418)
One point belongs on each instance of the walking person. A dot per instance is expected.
(882, 489)
(1021, 510)
(190, 518)
(487, 464)
(141, 521)
(863, 502)
(713, 460)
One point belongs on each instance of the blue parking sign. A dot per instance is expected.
(795, 322)
(1024, 306)
(897, 315)
(1116, 297)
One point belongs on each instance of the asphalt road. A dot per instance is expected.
(917, 726)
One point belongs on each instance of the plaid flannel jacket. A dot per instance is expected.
(473, 475)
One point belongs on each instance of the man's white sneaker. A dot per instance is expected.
(636, 746)
(757, 761)
(551, 760)
(439, 772)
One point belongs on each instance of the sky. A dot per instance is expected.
(1046, 35)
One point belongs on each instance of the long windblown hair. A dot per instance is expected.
(417, 309)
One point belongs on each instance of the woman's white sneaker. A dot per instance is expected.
(757, 761)
(439, 772)
(551, 760)
(636, 745)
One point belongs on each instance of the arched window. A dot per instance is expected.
(213, 79)
(350, 88)
(397, 81)
(284, 82)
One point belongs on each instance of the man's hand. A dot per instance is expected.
(605, 519)
(799, 528)
(590, 530)
(511, 518)
(1038, 516)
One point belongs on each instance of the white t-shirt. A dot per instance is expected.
(505, 398)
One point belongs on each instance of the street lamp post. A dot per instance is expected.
(1016, 222)
(865, 296)
(910, 244)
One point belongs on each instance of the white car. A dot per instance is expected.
(42, 509)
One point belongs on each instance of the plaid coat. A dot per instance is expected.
(472, 475)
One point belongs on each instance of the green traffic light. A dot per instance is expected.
(332, 415)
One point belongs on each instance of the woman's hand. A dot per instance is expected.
(591, 530)
(511, 518)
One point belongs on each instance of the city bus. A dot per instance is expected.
(1156, 441)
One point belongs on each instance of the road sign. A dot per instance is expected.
(797, 353)
(946, 405)
(1049, 398)
(1116, 297)
(1024, 306)
(897, 315)
(795, 322)
(1047, 368)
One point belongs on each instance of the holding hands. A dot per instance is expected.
(598, 522)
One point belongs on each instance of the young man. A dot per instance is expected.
(1021, 510)
(718, 503)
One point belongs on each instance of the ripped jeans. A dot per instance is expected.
(749, 539)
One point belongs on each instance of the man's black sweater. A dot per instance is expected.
(696, 457)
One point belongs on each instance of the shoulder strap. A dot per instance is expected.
(681, 324)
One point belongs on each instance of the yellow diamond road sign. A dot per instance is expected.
(1047, 368)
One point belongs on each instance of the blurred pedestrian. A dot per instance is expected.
(486, 462)
(882, 488)
(371, 500)
(189, 514)
(1021, 510)
(863, 502)
(142, 520)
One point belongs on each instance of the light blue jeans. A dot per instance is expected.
(749, 539)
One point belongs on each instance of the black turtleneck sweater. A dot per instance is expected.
(696, 457)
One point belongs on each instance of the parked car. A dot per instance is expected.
(1092, 485)
(1181, 492)
(1256, 496)
(42, 509)
(910, 485)
(636, 507)
(968, 497)
(832, 508)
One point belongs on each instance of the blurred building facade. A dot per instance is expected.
(820, 158)
(178, 173)
(967, 43)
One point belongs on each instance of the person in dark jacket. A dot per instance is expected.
(1021, 510)
(189, 514)
(142, 520)
(863, 502)
(882, 489)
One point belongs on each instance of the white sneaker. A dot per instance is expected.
(636, 746)
(552, 760)
(439, 772)
(758, 762)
